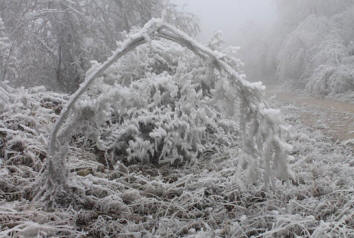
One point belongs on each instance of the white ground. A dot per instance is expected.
(207, 199)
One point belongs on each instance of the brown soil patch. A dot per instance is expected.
(334, 118)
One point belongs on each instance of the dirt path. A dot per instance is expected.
(334, 118)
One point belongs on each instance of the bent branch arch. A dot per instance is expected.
(261, 133)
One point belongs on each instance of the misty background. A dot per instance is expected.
(307, 45)
(303, 44)
(235, 18)
(243, 23)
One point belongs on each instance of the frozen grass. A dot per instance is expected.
(209, 198)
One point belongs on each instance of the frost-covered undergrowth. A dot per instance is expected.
(157, 105)
(209, 198)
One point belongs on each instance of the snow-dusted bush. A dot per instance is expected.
(26, 117)
(320, 80)
(159, 104)
(332, 80)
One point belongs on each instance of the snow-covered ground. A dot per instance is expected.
(207, 198)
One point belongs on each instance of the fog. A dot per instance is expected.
(243, 23)
(119, 118)
(233, 17)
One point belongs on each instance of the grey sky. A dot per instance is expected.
(230, 16)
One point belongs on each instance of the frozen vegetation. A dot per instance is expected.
(208, 197)
(129, 127)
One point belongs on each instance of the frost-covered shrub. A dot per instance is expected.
(26, 117)
(159, 104)
(319, 82)
(332, 80)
